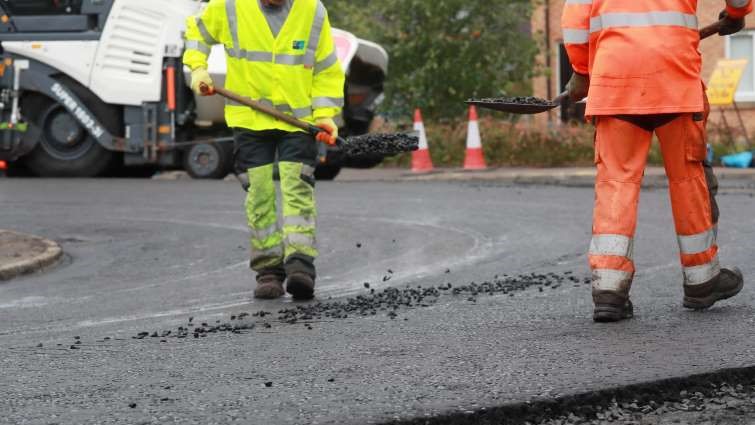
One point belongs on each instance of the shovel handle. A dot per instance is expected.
(711, 29)
(267, 110)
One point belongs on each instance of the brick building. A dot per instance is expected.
(546, 27)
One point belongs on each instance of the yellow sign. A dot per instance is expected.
(725, 80)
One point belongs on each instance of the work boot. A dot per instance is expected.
(269, 285)
(611, 306)
(301, 286)
(727, 284)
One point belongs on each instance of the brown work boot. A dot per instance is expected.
(727, 284)
(611, 306)
(269, 285)
(301, 286)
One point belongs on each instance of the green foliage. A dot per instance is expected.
(444, 51)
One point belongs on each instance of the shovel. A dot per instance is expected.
(357, 146)
(536, 107)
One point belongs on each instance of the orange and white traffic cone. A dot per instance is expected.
(474, 160)
(421, 161)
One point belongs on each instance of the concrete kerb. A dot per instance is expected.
(30, 254)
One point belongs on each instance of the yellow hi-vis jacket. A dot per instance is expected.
(297, 72)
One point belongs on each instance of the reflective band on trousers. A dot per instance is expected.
(695, 244)
(576, 36)
(263, 234)
(611, 280)
(307, 171)
(299, 221)
(568, 2)
(700, 274)
(298, 112)
(314, 35)
(299, 239)
(326, 63)
(649, 19)
(618, 245)
(267, 253)
(737, 3)
(205, 34)
(198, 45)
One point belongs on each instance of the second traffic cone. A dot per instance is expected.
(474, 160)
(421, 161)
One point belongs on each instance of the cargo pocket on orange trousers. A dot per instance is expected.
(694, 138)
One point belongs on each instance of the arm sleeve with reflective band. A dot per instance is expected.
(738, 8)
(329, 79)
(575, 23)
(202, 32)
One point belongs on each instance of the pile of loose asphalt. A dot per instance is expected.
(379, 144)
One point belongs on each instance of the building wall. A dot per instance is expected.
(712, 49)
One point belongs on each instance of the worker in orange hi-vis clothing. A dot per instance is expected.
(638, 61)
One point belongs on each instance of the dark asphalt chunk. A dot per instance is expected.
(132, 405)
(376, 144)
(268, 384)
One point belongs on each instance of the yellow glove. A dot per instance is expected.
(330, 134)
(199, 77)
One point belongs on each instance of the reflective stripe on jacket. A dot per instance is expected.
(642, 55)
(298, 71)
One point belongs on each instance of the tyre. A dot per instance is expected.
(208, 160)
(65, 148)
(327, 172)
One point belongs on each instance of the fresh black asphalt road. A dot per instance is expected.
(147, 255)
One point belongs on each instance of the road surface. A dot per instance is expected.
(146, 256)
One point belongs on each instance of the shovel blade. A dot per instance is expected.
(513, 108)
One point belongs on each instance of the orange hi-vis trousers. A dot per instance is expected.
(621, 150)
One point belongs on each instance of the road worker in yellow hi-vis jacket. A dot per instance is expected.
(281, 53)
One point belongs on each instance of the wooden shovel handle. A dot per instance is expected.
(711, 29)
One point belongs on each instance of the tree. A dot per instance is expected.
(445, 51)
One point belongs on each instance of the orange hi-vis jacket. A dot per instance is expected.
(641, 55)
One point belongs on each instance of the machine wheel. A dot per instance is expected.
(327, 172)
(65, 147)
(208, 161)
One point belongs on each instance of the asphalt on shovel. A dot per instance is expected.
(532, 105)
(368, 145)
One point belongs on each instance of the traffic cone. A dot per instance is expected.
(421, 161)
(474, 160)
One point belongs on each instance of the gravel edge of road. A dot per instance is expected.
(590, 404)
(30, 263)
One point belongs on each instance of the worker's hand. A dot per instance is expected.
(578, 86)
(200, 77)
(730, 25)
(330, 133)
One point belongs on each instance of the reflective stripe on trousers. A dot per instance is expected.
(262, 218)
(299, 210)
(699, 243)
(611, 261)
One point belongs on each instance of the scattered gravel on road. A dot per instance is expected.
(721, 403)
(388, 302)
